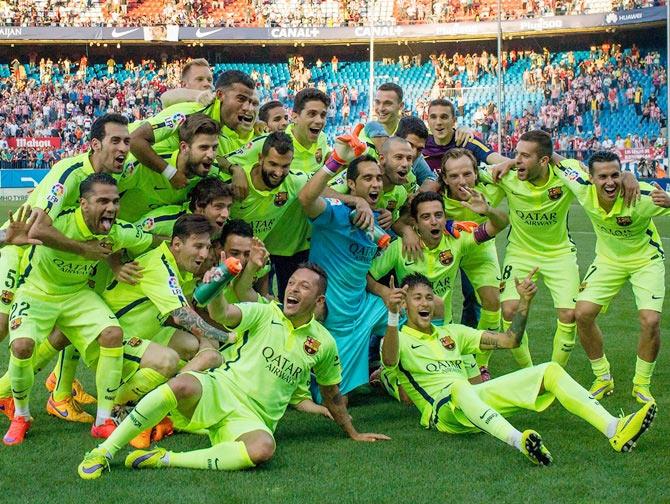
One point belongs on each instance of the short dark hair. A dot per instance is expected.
(235, 227)
(603, 157)
(86, 185)
(392, 86)
(442, 102)
(352, 170)
(416, 279)
(542, 139)
(424, 197)
(323, 276)
(412, 125)
(191, 224)
(206, 191)
(278, 141)
(308, 95)
(264, 111)
(230, 77)
(98, 126)
(197, 124)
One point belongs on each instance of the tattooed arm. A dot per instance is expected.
(337, 405)
(512, 338)
(186, 318)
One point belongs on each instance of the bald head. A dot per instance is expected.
(394, 144)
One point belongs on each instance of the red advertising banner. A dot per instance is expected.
(628, 155)
(33, 143)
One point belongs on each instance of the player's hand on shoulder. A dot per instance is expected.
(206, 97)
(463, 135)
(526, 287)
(130, 272)
(630, 189)
(659, 196)
(179, 180)
(260, 128)
(96, 250)
(240, 183)
(477, 203)
(365, 219)
(498, 171)
(385, 219)
(411, 245)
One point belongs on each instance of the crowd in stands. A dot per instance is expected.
(285, 13)
(46, 98)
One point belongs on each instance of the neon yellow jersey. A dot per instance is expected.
(265, 212)
(538, 215)
(429, 362)
(271, 359)
(624, 235)
(57, 272)
(161, 221)
(439, 265)
(157, 294)
(60, 186)
(456, 211)
(166, 124)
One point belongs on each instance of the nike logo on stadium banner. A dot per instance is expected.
(656, 297)
(414, 347)
(117, 34)
(201, 34)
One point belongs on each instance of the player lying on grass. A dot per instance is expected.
(428, 362)
(241, 402)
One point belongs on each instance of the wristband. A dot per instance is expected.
(393, 319)
(332, 166)
(169, 172)
(481, 235)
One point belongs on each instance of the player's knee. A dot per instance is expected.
(584, 314)
(490, 298)
(261, 449)
(22, 348)
(111, 337)
(185, 386)
(508, 311)
(4, 327)
(566, 316)
(211, 358)
(190, 348)
(166, 363)
(458, 388)
(650, 322)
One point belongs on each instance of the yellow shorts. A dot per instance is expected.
(481, 265)
(507, 395)
(604, 280)
(222, 411)
(81, 317)
(560, 275)
(10, 259)
(134, 348)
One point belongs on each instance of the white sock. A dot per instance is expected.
(611, 428)
(515, 439)
(101, 416)
(24, 412)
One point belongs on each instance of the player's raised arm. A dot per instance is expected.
(497, 219)
(244, 283)
(512, 338)
(18, 231)
(187, 319)
(390, 343)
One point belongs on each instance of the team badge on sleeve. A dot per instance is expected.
(448, 343)
(176, 120)
(318, 156)
(7, 297)
(311, 346)
(281, 198)
(148, 224)
(446, 257)
(624, 220)
(391, 205)
(134, 342)
(56, 193)
(555, 193)
(15, 323)
(174, 286)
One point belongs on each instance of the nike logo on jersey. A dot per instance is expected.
(656, 297)
(414, 347)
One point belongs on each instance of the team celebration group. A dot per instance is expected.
(347, 257)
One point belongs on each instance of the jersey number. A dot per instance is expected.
(22, 311)
(10, 283)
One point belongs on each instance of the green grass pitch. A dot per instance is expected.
(314, 462)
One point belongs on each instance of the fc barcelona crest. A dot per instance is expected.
(318, 155)
(15, 323)
(625, 220)
(7, 297)
(311, 345)
(448, 343)
(446, 257)
(281, 198)
(390, 206)
(555, 193)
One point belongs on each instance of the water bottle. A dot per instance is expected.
(377, 234)
(225, 272)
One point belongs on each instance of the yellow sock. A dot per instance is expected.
(643, 372)
(575, 398)
(149, 411)
(488, 321)
(564, 342)
(143, 381)
(227, 456)
(601, 367)
(521, 354)
(65, 370)
(43, 355)
(107, 380)
(22, 379)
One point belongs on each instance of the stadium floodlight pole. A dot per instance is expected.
(371, 82)
(500, 79)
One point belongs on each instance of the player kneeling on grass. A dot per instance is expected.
(241, 402)
(428, 362)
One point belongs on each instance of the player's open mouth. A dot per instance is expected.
(435, 232)
(246, 119)
(206, 165)
(315, 131)
(292, 300)
(373, 196)
(106, 223)
(402, 174)
(424, 313)
(610, 191)
(120, 159)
